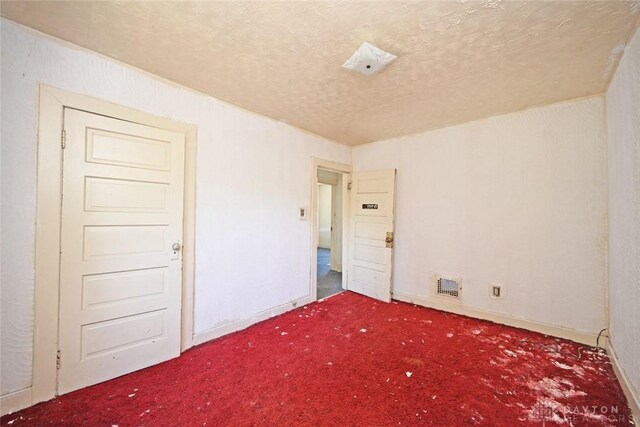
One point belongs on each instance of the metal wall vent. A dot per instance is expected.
(448, 287)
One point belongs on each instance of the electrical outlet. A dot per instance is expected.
(496, 291)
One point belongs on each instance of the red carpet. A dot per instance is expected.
(352, 361)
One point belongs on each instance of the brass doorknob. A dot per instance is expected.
(389, 240)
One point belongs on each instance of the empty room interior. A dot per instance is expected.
(275, 213)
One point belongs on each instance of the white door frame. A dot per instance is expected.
(48, 220)
(345, 170)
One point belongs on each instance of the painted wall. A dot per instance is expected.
(623, 124)
(518, 200)
(324, 216)
(253, 173)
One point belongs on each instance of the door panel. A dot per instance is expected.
(119, 195)
(374, 205)
(373, 254)
(117, 288)
(371, 218)
(120, 280)
(125, 332)
(127, 150)
(114, 241)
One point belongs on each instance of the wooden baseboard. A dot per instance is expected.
(237, 325)
(543, 328)
(633, 398)
(15, 401)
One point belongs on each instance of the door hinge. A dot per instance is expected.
(58, 359)
(349, 185)
(64, 139)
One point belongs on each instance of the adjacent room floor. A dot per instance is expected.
(329, 281)
(350, 360)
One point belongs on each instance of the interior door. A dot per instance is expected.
(120, 275)
(371, 233)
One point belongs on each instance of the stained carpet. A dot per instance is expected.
(351, 361)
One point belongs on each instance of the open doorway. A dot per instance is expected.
(329, 250)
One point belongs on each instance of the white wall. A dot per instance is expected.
(518, 200)
(324, 216)
(253, 173)
(623, 124)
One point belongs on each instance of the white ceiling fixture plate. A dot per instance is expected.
(369, 60)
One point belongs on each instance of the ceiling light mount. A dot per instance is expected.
(369, 60)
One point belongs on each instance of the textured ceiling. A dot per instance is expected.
(457, 61)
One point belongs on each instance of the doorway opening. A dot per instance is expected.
(329, 228)
(330, 233)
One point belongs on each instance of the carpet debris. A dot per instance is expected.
(491, 375)
(511, 353)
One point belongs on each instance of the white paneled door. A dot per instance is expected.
(120, 276)
(371, 233)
